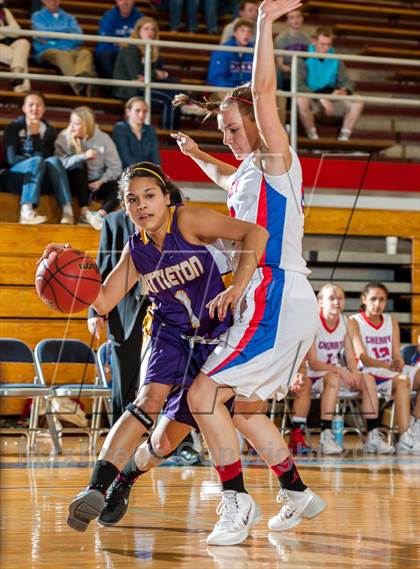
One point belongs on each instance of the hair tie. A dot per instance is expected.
(240, 99)
(151, 172)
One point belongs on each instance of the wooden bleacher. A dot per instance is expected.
(376, 31)
(373, 9)
(357, 19)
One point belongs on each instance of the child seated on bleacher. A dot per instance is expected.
(333, 371)
(377, 345)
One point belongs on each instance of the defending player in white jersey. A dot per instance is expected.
(330, 376)
(377, 344)
(276, 316)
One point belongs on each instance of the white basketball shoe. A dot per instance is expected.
(376, 443)
(328, 444)
(296, 507)
(408, 442)
(238, 513)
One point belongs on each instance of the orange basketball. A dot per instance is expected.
(68, 281)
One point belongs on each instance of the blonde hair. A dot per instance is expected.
(133, 100)
(241, 96)
(87, 116)
(136, 34)
(329, 285)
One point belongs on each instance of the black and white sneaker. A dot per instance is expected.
(85, 507)
(116, 502)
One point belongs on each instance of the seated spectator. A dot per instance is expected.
(65, 54)
(118, 22)
(130, 66)
(248, 10)
(29, 148)
(326, 76)
(230, 69)
(14, 52)
(175, 13)
(377, 343)
(294, 38)
(333, 370)
(135, 140)
(92, 164)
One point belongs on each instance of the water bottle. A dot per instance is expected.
(338, 429)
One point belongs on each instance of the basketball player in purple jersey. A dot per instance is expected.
(185, 268)
(269, 339)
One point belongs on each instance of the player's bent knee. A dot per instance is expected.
(193, 398)
(159, 450)
(332, 381)
(141, 415)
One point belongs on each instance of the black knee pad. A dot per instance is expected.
(153, 453)
(140, 415)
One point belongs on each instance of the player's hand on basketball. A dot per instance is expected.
(50, 248)
(274, 9)
(96, 325)
(223, 301)
(186, 144)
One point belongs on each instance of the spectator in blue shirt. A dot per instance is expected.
(118, 22)
(230, 69)
(66, 54)
(135, 140)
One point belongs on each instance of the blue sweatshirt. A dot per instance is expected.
(230, 69)
(45, 21)
(131, 149)
(113, 24)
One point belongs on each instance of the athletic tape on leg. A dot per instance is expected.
(140, 415)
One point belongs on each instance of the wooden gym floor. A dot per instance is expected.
(372, 520)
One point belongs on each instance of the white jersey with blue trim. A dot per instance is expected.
(276, 203)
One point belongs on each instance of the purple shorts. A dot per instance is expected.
(172, 361)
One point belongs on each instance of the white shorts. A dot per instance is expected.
(385, 376)
(318, 388)
(275, 323)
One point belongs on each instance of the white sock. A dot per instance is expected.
(297, 419)
(345, 131)
(68, 209)
(26, 208)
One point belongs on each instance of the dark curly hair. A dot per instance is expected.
(149, 170)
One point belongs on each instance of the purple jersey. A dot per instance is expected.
(182, 279)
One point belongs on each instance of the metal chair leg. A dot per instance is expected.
(53, 430)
